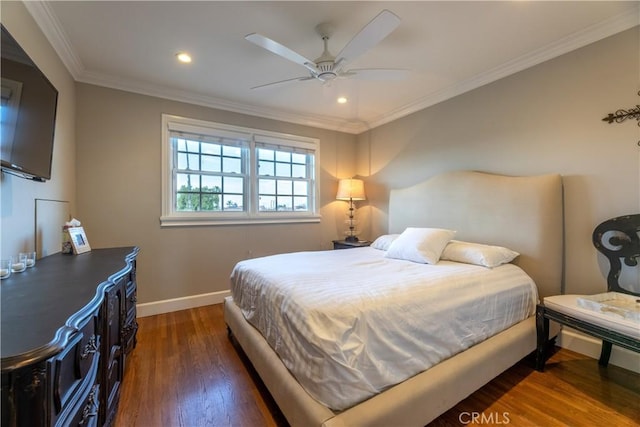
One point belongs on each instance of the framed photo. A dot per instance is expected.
(79, 241)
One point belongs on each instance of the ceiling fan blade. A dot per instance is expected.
(372, 33)
(295, 79)
(281, 50)
(376, 74)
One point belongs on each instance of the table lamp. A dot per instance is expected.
(351, 189)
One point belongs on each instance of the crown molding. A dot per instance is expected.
(145, 88)
(572, 42)
(50, 26)
(53, 31)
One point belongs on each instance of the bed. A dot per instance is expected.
(523, 214)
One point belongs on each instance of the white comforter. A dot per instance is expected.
(350, 323)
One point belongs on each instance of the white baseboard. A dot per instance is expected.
(183, 303)
(589, 346)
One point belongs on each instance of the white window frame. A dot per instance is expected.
(170, 217)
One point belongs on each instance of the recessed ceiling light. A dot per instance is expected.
(342, 100)
(183, 57)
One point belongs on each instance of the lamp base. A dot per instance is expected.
(351, 239)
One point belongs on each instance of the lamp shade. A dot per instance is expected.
(351, 189)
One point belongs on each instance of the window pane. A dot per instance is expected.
(298, 158)
(210, 202)
(187, 182)
(231, 165)
(188, 202)
(283, 169)
(266, 168)
(300, 203)
(283, 156)
(194, 180)
(211, 163)
(210, 149)
(265, 154)
(212, 184)
(300, 188)
(182, 161)
(233, 185)
(193, 146)
(299, 171)
(181, 144)
(267, 186)
(284, 203)
(267, 203)
(285, 188)
(193, 162)
(181, 181)
(231, 202)
(231, 151)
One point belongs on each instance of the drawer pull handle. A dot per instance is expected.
(128, 330)
(91, 408)
(90, 348)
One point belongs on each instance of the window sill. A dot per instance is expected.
(193, 221)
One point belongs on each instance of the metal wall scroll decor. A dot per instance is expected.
(621, 115)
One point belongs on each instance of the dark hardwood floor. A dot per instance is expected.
(186, 372)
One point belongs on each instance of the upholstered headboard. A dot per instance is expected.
(522, 213)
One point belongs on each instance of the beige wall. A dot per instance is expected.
(17, 195)
(119, 194)
(541, 120)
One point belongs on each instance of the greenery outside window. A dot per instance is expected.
(220, 174)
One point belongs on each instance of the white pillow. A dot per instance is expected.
(478, 254)
(383, 242)
(423, 245)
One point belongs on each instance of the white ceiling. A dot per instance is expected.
(449, 47)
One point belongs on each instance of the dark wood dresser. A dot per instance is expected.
(67, 325)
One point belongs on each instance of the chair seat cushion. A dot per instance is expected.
(568, 304)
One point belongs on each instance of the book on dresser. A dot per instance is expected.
(67, 325)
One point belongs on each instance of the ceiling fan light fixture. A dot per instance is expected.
(328, 67)
(326, 76)
(342, 100)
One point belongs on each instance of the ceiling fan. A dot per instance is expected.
(328, 67)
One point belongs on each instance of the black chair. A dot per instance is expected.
(619, 241)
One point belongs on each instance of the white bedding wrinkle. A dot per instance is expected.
(349, 324)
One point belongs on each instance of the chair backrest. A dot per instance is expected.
(618, 239)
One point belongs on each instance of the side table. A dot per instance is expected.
(343, 244)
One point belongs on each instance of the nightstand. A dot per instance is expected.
(343, 244)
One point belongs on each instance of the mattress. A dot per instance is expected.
(350, 324)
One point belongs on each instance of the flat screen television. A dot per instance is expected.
(28, 113)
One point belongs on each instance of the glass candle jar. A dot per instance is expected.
(5, 268)
(31, 258)
(19, 263)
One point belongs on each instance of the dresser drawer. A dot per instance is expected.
(131, 297)
(129, 332)
(76, 367)
(130, 327)
(85, 413)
